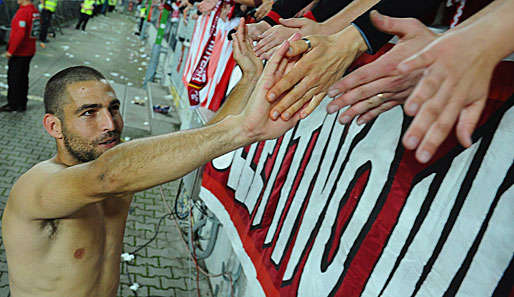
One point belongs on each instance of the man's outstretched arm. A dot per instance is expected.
(144, 163)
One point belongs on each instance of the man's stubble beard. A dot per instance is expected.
(78, 148)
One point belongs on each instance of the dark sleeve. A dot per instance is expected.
(325, 9)
(284, 9)
(394, 8)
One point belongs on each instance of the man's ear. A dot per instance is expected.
(53, 125)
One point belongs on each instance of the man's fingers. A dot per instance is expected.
(351, 96)
(394, 26)
(417, 61)
(361, 76)
(433, 122)
(429, 85)
(275, 61)
(266, 33)
(268, 54)
(293, 22)
(293, 109)
(316, 100)
(236, 45)
(298, 92)
(436, 134)
(298, 47)
(360, 108)
(468, 120)
(281, 69)
(265, 45)
(285, 83)
(241, 28)
(373, 113)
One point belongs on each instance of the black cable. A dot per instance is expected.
(177, 215)
(200, 208)
(154, 236)
(130, 280)
(143, 246)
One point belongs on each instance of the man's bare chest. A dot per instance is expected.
(95, 230)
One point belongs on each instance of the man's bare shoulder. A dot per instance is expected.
(39, 173)
(29, 183)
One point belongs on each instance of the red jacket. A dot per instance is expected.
(22, 40)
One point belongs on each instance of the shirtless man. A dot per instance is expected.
(64, 221)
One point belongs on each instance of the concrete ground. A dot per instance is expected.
(162, 268)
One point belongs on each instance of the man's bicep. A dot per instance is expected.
(64, 192)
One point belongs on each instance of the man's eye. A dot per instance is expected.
(88, 113)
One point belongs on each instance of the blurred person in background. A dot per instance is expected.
(20, 50)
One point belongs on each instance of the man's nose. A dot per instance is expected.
(106, 121)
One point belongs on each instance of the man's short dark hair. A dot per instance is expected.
(55, 90)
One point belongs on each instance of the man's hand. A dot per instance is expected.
(381, 77)
(316, 70)
(272, 38)
(454, 88)
(7, 55)
(256, 29)
(263, 9)
(254, 117)
(305, 26)
(250, 65)
(245, 57)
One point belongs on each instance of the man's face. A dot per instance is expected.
(92, 121)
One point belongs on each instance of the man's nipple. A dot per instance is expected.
(79, 253)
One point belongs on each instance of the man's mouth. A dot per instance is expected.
(109, 143)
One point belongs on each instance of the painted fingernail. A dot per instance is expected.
(275, 115)
(412, 108)
(412, 142)
(345, 120)
(333, 93)
(303, 115)
(271, 97)
(424, 156)
(332, 108)
(286, 116)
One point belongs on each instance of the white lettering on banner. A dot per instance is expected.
(223, 162)
(271, 179)
(354, 153)
(303, 136)
(258, 181)
(451, 256)
(393, 248)
(434, 222)
(451, 208)
(247, 172)
(430, 224)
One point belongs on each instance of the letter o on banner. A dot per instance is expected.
(223, 162)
